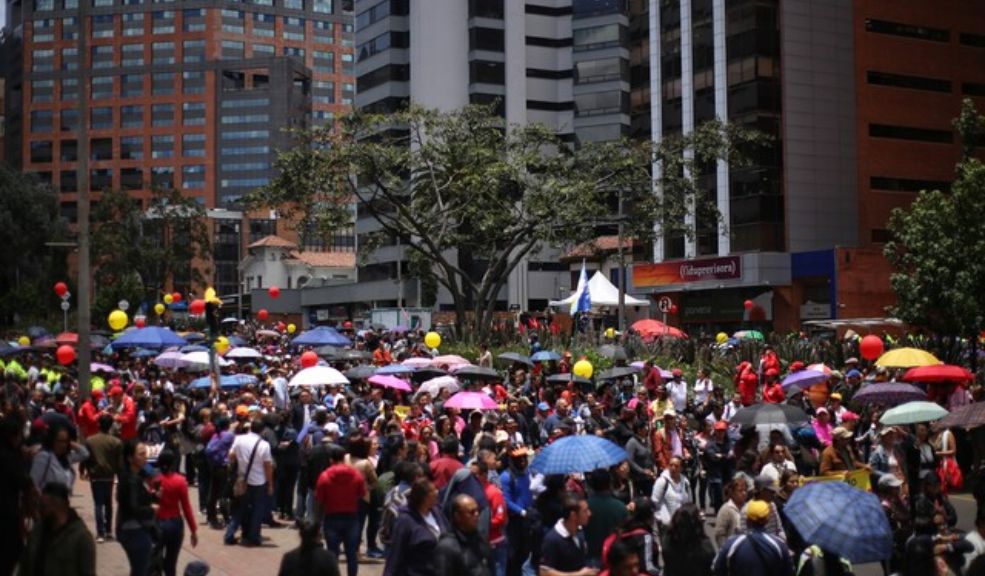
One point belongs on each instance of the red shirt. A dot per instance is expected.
(88, 419)
(443, 469)
(339, 490)
(498, 516)
(174, 501)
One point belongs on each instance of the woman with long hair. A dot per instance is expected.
(360, 450)
(310, 558)
(54, 462)
(687, 550)
(416, 533)
(173, 505)
(136, 524)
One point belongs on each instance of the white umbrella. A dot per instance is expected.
(170, 360)
(243, 353)
(199, 361)
(435, 385)
(318, 376)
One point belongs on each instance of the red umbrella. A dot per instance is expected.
(938, 373)
(70, 338)
(650, 328)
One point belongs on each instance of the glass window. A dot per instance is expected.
(162, 177)
(193, 82)
(132, 116)
(69, 119)
(162, 115)
(101, 149)
(264, 49)
(322, 6)
(245, 119)
(193, 176)
(132, 55)
(597, 37)
(162, 83)
(603, 70)
(42, 91)
(102, 87)
(193, 145)
(162, 146)
(43, 60)
(132, 85)
(131, 178)
(44, 30)
(100, 179)
(193, 51)
(232, 49)
(194, 20)
(291, 51)
(101, 118)
(193, 113)
(163, 52)
(70, 28)
(69, 151)
(41, 151)
(245, 134)
(131, 148)
(42, 121)
(44, 5)
(294, 4)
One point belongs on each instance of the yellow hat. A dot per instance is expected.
(757, 511)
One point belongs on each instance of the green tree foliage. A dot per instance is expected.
(29, 218)
(473, 197)
(139, 251)
(938, 243)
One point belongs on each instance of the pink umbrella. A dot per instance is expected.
(98, 367)
(448, 359)
(387, 381)
(417, 362)
(471, 401)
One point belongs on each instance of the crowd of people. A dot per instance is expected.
(378, 474)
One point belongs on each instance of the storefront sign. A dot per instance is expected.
(682, 271)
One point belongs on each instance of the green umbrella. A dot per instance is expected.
(749, 335)
(913, 412)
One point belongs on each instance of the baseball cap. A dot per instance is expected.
(758, 511)
(890, 481)
(543, 406)
(852, 360)
(116, 391)
(820, 410)
(836, 396)
(676, 372)
(848, 416)
(242, 411)
(841, 433)
(764, 482)
(853, 373)
(332, 428)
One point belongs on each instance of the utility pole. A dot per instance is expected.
(82, 177)
(622, 271)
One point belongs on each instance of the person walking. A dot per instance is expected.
(104, 464)
(416, 533)
(754, 553)
(251, 461)
(671, 491)
(136, 526)
(60, 544)
(687, 550)
(173, 504)
(519, 501)
(637, 534)
(463, 551)
(565, 551)
(728, 523)
(217, 457)
(310, 558)
(340, 491)
(54, 462)
(608, 513)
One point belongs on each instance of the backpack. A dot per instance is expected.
(214, 452)
(394, 501)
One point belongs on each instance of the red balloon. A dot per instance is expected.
(281, 326)
(673, 308)
(176, 297)
(65, 354)
(61, 289)
(262, 314)
(748, 304)
(274, 292)
(139, 322)
(309, 359)
(871, 347)
(197, 307)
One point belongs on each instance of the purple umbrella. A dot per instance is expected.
(387, 381)
(803, 379)
(471, 401)
(889, 394)
(98, 367)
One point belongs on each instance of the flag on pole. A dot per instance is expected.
(583, 300)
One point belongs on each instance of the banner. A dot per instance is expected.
(857, 478)
(682, 271)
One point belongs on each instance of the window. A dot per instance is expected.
(245, 182)
(162, 83)
(245, 166)
(489, 39)
(69, 151)
(41, 151)
(246, 103)
(291, 51)
(379, 12)
(907, 81)
(102, 3)
(193, 113)
(101, 149)
(132, 116)
(232, 49)
(391, 73)
(245, 134)
(163, 21)
(263, 24)
(193, 51)
(102, 87)
(910, 133)
(101, 118)
(44, 30)
(132, 148)
(193, 176)
(487, 72)
(70, 28)
(294, 4)
(907, 30)
(162, 177)
(69, 183)
(44, 5)
(70, 89)
(133, 24)
(131, 178)
(163, 52)
(972, 89)
(193, 82)
(324, 61)
(233, 21)
(43, 60)
(42, 121)
(69, 120)
(162, 115)
(323, 32)
(244, 150)
(132, 85)
(42, 91)
(102, 57)
(100, 179)
(293, 29)
(889, 184)
(193, 145)
(102, 26)
(162, 146)
(263, 49)
(194, 20)
(603, 70)
(597, 37)
(611, 102)
(132, 55)
(245, 119)
(70, 59)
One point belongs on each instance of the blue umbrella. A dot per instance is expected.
(149, 337)
(194, 336)
(842, 519)
(236, 341)
(803, 379)
(573, 454)
(36, 332)
(227, 381)
(193, 348)
(395, 369)
(321, 336)
(545, 356)
(141, 353)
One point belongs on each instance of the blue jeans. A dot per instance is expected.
(139, 545)
(500, 554)
(249, 512)
(102, 500)
(343, 529)
(172, 535)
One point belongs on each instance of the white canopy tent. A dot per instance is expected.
(602, 293)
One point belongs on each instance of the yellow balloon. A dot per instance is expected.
(610, 333)
(159, 309)
(24, 341)
(210, 295)
(432, 340)
(221, 344)
(583, 368)
(721, 338)
(168, 299)
(291, 328)
(118, 320)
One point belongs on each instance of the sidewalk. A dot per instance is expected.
(224, 560)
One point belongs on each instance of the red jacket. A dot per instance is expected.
(127, 419)
(652, 380)
(497, 512)
(773, 393)
(747, 384)
(339, 490)
(88, 419)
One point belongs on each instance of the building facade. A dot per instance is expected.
(197, 96)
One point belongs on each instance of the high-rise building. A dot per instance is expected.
(196, 95)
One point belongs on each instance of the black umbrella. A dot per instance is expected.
(36, 332)
(98, 341)
(514, 357)
(427, 373)
(360, 372)
(478, 373)
(968, 416)
(356, 354)
(769, 414)
(614, 352)
(616, 373)
(565, 378)
(331, 352)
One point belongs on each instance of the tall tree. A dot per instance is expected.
(938, 242)
(472, 197)
(139, 251)
(29, 218)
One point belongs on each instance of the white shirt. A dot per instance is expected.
(677, 390)
(773, 471)
(702, 389)
(242, 448)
